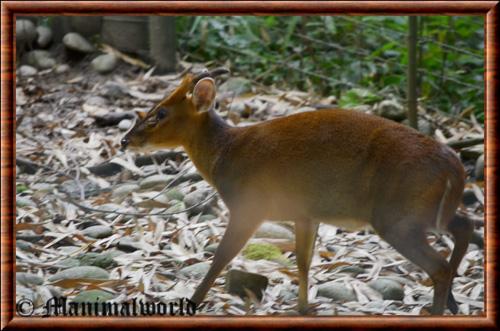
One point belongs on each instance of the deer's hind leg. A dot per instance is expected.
(408, 237)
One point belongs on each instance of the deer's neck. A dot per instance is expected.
(208, 143)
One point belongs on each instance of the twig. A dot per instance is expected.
(465, 142)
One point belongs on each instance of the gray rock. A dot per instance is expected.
(391, 109)
(40, 59)
(104, 63)
(155, 180)
(238, 282)
(69, 262)
(124, 124)
(96, 100)
(44, 36)
(26, 71)
(89, 272)
(101, 260)
(124, 190)
(61, 68)
(26, 293)
(113, 90)
(273, 230)
(176, 207)
(479, 168)
(389, 288)
(98, 231)
(196, 270)
(174, 194)
(424, 126)
(24, 202)
(207, 217)
(28, 278)
(211, 248)
(194, 198)
(336, 291)
(288, 294)
(29, 236)
(73, 188)
(352, 269)
(236, 85)
(127, 245)
(24, 245)
(25, 32)
(42, 187)
(93, 296)
(469, 197)
(76, 42)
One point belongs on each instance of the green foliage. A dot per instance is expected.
(343, 55)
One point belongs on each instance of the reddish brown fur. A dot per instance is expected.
(336, 166)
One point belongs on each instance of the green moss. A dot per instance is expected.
(262, 251)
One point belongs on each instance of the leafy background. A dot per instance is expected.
(358, 59)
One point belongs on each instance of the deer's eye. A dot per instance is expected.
(161, 114)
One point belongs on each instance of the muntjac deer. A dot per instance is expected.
(340, 167)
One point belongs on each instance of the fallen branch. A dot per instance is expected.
(107, 168)
(26, 165)
(465, 142)
(113, 118)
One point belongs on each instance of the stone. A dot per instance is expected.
(352, 269)
(207, 217)
(113, 90)
(24, 202)
(73, 188)
(469, 197)
(89, 272)
(40, 59)
(424, 126)
(125, 124)
(479, 168)
(236, 85)
(155, 180)
(391, 109)
(26, 278)
(98, 231)
(104, 63)
(240, 282)
(211, 248)
(25, 32)
(275, 231)
(101, 260)
(44, 36)
(76, 42)
(174, 194)
(124, 189)
(389, 288)
(27, 71)
(127, 245)
(336, 291)
(197, 270)
(61, 68)
(42, 187)
(93, 296)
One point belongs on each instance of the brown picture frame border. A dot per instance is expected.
(9, 9)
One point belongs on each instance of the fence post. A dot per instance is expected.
(412, 72)
(162, 42)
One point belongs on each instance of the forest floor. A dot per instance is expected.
(71, 179)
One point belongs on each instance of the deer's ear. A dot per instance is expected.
(141, 114)
(204, 94)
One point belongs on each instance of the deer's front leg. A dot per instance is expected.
(240, 228)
